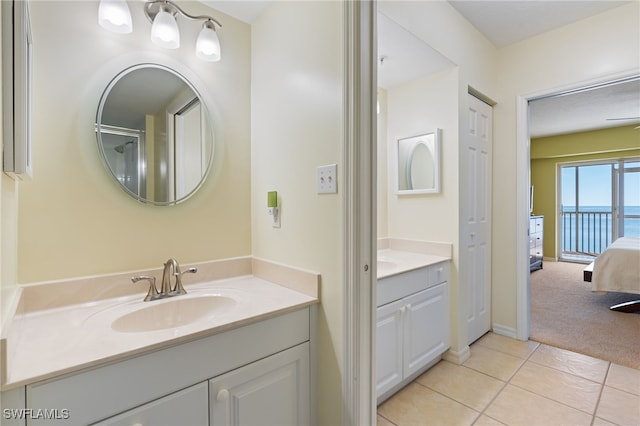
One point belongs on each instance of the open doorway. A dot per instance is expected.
(549, 187)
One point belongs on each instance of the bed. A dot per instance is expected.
(617, 269)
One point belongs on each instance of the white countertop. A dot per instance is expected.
(392, 262)
(50, 342)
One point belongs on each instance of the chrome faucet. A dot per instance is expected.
(171, 268)
(177, 288)
(152, 294)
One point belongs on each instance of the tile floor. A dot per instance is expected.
(510, 382)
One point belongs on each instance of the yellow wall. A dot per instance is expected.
(549, 152)
(383, 161)
(441, 101)
(73, 220)
(297, 115)
(594, 48)
(414, 108)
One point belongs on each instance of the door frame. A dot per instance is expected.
(523, 167)
(360, 212)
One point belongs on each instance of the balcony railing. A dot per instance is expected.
(586, 232)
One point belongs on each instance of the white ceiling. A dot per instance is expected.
(590, 109)
(404, 57)
(244, 10)
(505, 22)
(502, 22)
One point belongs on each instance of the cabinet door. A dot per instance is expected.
(271, 392)
(187, 407)
(426, 327)
(389, 346)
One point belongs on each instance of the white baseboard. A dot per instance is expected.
(457, 357)
(503, 330)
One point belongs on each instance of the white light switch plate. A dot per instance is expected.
(327, 179)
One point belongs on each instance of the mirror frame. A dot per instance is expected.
(402, 163)
(98, 125)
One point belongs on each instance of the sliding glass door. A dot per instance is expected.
(600, 202)
(628, 174)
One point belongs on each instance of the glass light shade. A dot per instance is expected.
(208, 45)
(114, 15)
(164, 30)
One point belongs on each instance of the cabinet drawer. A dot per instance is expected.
(186, 407)
(398, 286)
(438, 273)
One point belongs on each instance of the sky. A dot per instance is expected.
(595, 186)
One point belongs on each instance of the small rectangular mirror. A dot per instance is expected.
(418, 161)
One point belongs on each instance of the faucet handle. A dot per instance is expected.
(152, 294)
(179, 289)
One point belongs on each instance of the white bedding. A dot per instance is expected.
(618, 267)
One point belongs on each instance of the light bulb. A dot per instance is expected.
(114, 15)
(164, 30)
(208, 44)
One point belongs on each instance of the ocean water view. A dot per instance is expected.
(590, 230)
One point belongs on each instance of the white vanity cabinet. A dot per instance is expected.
(256, 371)
(272, 391)
(187, 407)
(412, 325)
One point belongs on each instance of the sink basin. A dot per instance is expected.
(171, 313)
(385, 264)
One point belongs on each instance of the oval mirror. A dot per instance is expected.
(418, 164)
(420, 170)
(154, 134)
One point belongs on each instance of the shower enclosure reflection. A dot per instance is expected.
(124, 151)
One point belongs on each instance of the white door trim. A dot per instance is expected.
(523, 164)
(360, 165)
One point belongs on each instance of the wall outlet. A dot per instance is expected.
(327, 179)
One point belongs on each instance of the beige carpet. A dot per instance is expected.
(566, 314)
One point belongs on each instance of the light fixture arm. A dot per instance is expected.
(152, 7)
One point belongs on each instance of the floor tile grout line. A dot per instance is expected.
(568, 372)
(602, 384)
(508, 382)
(548, 398)
(504, 386)
(604, 381)
(553, 400)
(389, 420)
(504, 383)
(509, 353)
(597, 382)
(445, 395)
(449, 398)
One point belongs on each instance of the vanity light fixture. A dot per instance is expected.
(164, 28)
(164, 25)
(115, 16)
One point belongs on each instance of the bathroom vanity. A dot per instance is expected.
(250, 363)
(412, 317)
